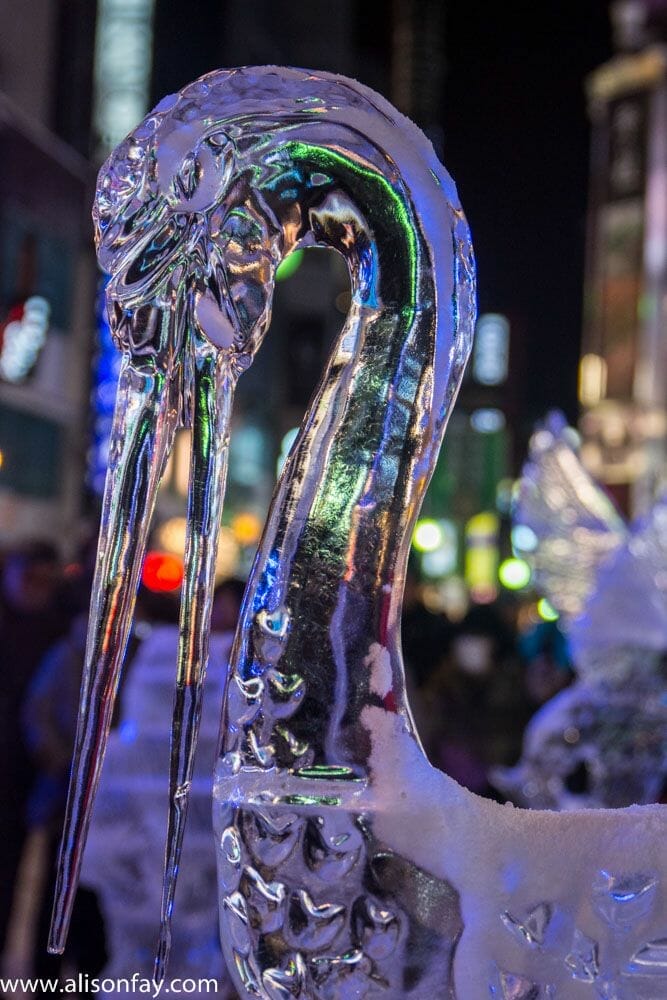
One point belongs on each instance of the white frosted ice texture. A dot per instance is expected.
(608, 580)
(569, 900)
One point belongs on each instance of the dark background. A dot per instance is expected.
(517, 142)
(515, 136)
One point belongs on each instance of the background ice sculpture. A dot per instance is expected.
(123, 857)
(602, 741)
(347, 866)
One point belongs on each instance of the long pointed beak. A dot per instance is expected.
(214, 383)
(145, 419)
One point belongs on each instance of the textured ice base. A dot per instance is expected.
(555, 905)
(516, 904)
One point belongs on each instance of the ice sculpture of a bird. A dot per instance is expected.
(347, 866)
(603, 740)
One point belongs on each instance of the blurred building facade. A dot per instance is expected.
(46, 268)
(623, 369)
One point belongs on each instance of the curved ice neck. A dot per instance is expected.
(324, 594)
(379, 241)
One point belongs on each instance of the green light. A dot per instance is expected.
(546, 611)
(392, 208)
(289, 265)
(427, 536)
(514, 574)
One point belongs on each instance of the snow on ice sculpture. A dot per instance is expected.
(347, 866)
(603, 740)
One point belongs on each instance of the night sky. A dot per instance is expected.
(516, 139)
(517, 142)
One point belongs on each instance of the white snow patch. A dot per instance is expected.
(379, 664)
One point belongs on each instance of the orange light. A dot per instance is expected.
(162, 572)
(247, 528)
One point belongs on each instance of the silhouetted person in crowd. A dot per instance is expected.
(30, 622)
(123, 860)
(49, 717)
(227, 599)
(476, 703)
(425, 635)
(547, 665)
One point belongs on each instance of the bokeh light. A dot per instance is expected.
(247, 528)
(546, 611)
(162, 572)
(427, 535)
(524, 539)
(514, 574)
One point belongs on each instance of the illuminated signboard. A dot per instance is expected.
(23, 337)
(481, 556)
(123, 49)
(491, 352)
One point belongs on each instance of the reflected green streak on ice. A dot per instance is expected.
(369, 180)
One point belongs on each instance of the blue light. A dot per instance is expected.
(106, 372)
(127, 731)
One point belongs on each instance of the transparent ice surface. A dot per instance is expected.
(347, 866)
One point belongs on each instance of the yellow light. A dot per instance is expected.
(2, 459)
(546, 611)
(480, 567)
(171, 536)
(481, 557)
(247, 528)
(484, 525)
(592, 379)
(427, 536)
(227, 560)
(440, 562)
(514, 574)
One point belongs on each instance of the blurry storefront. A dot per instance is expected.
(46, 287)
(463, 534)
(623, 369)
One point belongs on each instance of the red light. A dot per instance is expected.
(15, 315)
(162, 572)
